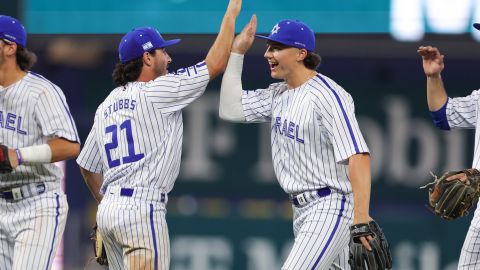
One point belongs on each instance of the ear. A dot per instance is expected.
(11, 49)
(147, 59)
(302, 53)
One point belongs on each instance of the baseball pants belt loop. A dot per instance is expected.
(23, 192)
(128, 192)
(303, 198)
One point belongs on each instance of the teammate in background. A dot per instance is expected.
(36, 129)
(319, 154)
(447, 113)
(131, 158)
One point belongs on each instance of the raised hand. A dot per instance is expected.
(432, 60)
(234, 7)
(244, 40)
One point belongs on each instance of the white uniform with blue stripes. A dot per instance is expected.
(462, 112)
(32, 111)
(136, 143)
(313, 133)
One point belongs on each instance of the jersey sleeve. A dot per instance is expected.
(338, 115)
(175, 91)
(90, 157)
(53, 115)
(257, 105)
(462, 111)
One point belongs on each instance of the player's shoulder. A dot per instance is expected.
(322, 86)
(38, 83)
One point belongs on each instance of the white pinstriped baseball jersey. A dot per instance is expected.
(32, 111)
(313, 132)
(462, 112)
(136, 140)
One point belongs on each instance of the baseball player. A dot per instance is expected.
(447, 113)
(131, 158)
(36, 129)
(319, 154)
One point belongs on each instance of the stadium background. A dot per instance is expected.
(227, 211)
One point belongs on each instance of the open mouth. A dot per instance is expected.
(273, 65)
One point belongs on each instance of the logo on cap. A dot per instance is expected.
(147, 46)
(275, 29)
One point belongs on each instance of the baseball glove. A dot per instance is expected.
(98, 247)
(5, 165)
(360, 258)
(450, 199)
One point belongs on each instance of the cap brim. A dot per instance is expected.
(171, 42)
(271, 39)
(477, 26)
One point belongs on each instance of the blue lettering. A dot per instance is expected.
(110, 109)
(132, 104)
(296, 136)
(115, 107)
(19, 127)
(290, 130)
(284, 129)
(277, 124)
(126, 103)
(1, 119)
(120, 104)
(10, 120)
(105, 114)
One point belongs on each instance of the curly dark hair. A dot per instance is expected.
(25, 58)
(124, 73)
(312, 61)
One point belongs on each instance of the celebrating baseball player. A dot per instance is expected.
(131, 158)
(447, 113)
(36, 129)
(319, 154)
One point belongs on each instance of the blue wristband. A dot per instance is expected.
(19, 157)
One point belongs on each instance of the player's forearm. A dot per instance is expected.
(63, 149)
(218, 54)
(436, 94)
(94, 182)
(231, 108)
(360, 178)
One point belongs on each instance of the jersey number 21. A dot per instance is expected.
(131, 157)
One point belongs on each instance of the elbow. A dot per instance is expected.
(439, 118)
(229, 117)
(215, 68)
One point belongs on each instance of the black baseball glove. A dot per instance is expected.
(450, 199)
(98, 247)
(5, 165)
(360, 258)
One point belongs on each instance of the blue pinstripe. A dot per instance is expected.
(154, 237)
(54, 231)
(332, 234)
(343, 111)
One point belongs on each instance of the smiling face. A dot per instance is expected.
(283, 60)
(161, 59)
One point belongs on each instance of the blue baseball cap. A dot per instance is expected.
(477, 26)
(12, 30)
(140, 40)
(292, 33)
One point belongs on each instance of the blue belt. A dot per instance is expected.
(304, 197)
(22, 192)
(128, 192)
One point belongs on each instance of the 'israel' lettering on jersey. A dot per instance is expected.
(288, 129)
(12, 122)
(313, 132)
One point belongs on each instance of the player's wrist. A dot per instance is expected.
(36, 154)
